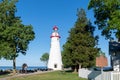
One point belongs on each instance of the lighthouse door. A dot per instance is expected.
(55, 65)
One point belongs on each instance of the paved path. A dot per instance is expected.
(19, 75)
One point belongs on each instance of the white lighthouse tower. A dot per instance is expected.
(55, 59)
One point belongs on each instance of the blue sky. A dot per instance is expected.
(43, 15)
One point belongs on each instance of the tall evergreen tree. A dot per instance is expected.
(79, 50)
(14, 36)
(107, 15)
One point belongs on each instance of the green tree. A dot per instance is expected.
(101, 53)
(107, 15)
(79, 50)
(5, 15)
(14, 35)
(45, 58)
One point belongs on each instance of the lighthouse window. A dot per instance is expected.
(55, 66)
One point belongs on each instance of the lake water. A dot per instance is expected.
(19, 67)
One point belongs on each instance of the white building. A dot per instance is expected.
(114, 51)
(55, 59)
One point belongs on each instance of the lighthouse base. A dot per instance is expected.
(55, 66)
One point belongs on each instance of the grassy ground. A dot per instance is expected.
(4, 74)
(51, 76)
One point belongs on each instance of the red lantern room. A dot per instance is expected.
(55, 33)
(55, 28)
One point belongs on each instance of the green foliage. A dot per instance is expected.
(14, 35)
(6, 13)
(107, 14)
(45, 57)
(101, 53)
(79, 48)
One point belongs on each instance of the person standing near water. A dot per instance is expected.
(24, 68)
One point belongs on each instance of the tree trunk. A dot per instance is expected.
(14, 65)
(79, 66)
(75, 70)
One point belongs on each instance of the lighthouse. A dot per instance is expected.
(55, 59)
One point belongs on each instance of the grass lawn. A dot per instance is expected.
(2, 76)
(51, 76)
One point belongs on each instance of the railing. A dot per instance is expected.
(97, 75)
(103, 76)
(115, 75)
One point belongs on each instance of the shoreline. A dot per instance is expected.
(20, 67)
